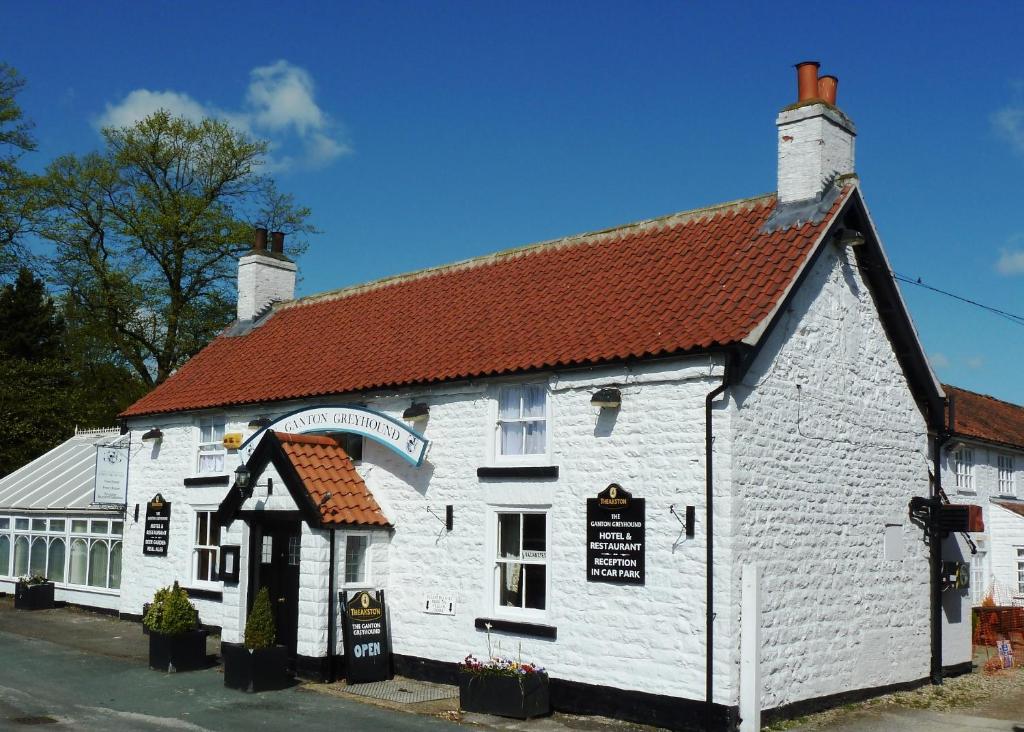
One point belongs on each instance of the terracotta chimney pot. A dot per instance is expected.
(259, 242)
(827, 89)
(807, 80)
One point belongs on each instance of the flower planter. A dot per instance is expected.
(33, 597)
(264, 669)
(182, 652)
(521, 696)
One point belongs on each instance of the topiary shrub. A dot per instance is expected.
(260, 631)
(171, 612)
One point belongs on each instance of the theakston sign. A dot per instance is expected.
(380, 428)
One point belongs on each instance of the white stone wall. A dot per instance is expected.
(815, 143)
(828, 448)
(1004, 530)
(262, 280)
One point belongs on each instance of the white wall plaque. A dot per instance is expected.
(439, 605)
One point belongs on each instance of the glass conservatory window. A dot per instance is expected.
(5, 555)
(37, 558)
(79, 561)
(20, 556)
(55, 561)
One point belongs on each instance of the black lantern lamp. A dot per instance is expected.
(416, 413)
(153, 436)
(608, 398)
(242, 480)
(259, 423)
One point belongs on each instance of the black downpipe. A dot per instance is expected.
(935, 551)
(709, 438)
(330, 615)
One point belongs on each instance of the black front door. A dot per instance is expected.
(277, 554)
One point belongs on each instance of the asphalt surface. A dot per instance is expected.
(42, 681)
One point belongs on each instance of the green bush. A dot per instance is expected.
(260, 631)
(171, 613)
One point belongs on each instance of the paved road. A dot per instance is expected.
(84, 691)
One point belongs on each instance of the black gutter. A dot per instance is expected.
(709, 437)
(330, 614)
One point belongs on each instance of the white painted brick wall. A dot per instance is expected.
(828, 448)
(815, 142)
(262, 280)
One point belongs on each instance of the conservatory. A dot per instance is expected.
(50, 524)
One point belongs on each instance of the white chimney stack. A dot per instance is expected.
(815, 138)
(264, 277)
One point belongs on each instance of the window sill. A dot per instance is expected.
(535, 630)
(201, 593)
(207, 480)
(518, 471)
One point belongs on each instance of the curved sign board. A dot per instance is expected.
(378, 427)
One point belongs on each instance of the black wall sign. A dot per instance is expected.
(615, 537)
(367, 646)
(158, 527)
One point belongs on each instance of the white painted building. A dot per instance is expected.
(756, 353)
(983, 464)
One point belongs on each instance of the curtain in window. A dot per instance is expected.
(355, 559)
(79, 561)
(5, 555)
(522, 412)
(98, 564)
(55, 561)
(115, 565)
(37, 557)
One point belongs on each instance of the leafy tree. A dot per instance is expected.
(30, 327)
(148, 231)
(17, 199)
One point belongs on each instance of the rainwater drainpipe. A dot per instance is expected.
(935, 548)
(330, 614)
(709, 484)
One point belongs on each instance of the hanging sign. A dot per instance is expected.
(615, 537)
(367, 648)
(394, 435)
(111, 483)
(158, 527)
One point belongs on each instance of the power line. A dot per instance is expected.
(1012, 317)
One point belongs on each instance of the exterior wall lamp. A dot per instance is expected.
(849, 238)
(259, 423)
(417, 413)
(608, 398)
(243, 481)
(153, 436)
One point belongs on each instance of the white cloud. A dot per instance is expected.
(939, 360)
(974, 362)
(1011, 262)
(1009, 124)
(280, 106)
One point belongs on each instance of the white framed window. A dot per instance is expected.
(68, 552)
(211, 446)
(963, 467)
(521, 578)
(522, 425)
(979, 576)
(1020, 570)
(356, 559)
(1006, 482)
(206, 549)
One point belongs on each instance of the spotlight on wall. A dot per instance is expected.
(849, 238)
(259, 423)
(417, 413)
(608, 398)
(153, 436)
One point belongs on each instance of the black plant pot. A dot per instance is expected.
(264, 669)
(33, 597)
(522, 696)
(182, 652)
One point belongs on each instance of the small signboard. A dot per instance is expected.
(158, 527)
(367, 646)
(1005, 653)
(111, 484)
(440, 604)
(615, 537)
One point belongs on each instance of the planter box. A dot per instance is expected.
(260, 670)
(33, 597)
(184, 652)
(522, 697)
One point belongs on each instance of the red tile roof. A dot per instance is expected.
(324, 467)
(686, 282)
(1017, 508)
(986, 418)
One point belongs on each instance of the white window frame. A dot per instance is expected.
(493, 566)
(197, 547)
(979, 576)
(367, 581)
(211, 448)
(1005, 482)
(1019, 559)
(538, 458)
(963, 469)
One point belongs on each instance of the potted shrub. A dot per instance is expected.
(175, 641)
(503, 687)
(258, 664)
(33, 593)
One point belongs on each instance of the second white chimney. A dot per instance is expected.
(816, 140)
(264, 277)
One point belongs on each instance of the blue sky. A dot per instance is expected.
(421, 133)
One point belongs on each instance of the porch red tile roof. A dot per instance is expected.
(986, 418)
(684, 283)
(324, 467)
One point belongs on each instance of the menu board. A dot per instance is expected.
(158, 527)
